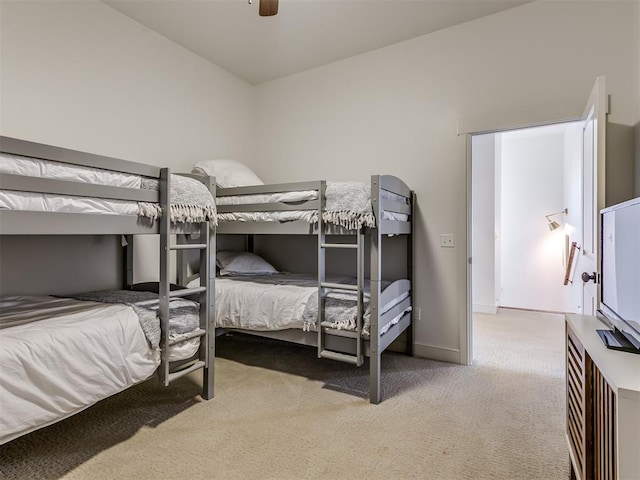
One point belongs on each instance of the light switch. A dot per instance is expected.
(447, 240)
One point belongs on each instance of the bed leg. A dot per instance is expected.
(207, 383)
(409, 349)
(374, 374)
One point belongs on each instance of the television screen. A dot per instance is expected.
(620, 300)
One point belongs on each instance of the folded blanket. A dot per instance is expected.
(348, 204)
(184, 315)
(340, 308)
(191, 201)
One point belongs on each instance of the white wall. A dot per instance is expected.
(396, 110)
(483, 234)
(83, 76)
(532, 186)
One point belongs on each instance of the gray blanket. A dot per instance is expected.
(348, 204)
(191, 201)
(340, 308)
(184, 315)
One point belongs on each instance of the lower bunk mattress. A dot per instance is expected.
(59, 356)
(290, 300)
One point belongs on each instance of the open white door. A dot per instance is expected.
(593, 196)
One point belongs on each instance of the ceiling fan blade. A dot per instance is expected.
(268, 8)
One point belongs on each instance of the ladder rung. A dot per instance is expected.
(339, 286)
(196, 366)
(331, 330)
(185, 292)
(339, 245)
(183, 338)
(189, 246)
(340, 357)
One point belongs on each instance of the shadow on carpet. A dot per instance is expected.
(53, 451)
(399, 372)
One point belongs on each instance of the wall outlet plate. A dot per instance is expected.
(447, 240)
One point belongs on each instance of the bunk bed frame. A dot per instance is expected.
(342, 345)
(18, 222)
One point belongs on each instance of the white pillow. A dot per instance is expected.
(228, 173)
(243, 263)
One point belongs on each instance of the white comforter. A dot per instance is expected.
(40, 202)
(278, 302)
(35, 167)
(265, 303)
(308, 216)
(68, 355)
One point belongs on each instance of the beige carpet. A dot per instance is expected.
(280, 413)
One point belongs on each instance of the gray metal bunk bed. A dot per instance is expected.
(159, 201)
(392, 203)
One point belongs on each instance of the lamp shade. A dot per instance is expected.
(553, 225)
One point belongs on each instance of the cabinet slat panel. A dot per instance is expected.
(575, 398)
(604, 422)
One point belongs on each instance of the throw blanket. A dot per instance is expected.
(340, 308)
(191, 201)
(348, 204)
(184, 315)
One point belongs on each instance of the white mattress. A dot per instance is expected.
(255, 303)
(290, 215)
(35, 167)
(68, 355)
(275, 302)
(280, 197)
(44, 202)
(39, 202)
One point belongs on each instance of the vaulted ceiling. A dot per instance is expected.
(305, 33)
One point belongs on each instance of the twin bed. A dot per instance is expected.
(62, 345)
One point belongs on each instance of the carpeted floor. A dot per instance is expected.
(281, 413)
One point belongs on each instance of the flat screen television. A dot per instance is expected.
(620, 276)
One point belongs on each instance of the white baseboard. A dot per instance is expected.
(491, 309)
(442, 354)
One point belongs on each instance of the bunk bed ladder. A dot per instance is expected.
(206, 349)
(323, 327)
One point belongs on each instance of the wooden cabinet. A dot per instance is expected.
(603, 405)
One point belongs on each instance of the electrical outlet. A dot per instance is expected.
(447, 240)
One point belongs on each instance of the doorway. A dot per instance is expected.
(523, 182)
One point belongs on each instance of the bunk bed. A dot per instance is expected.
(321, 208)
(60, 355)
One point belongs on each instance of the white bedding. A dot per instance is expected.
(39, 202)
(273, 302)
(290, 215)
(265, 302)
(58, 356)
(281, 197)
(35, 167)
(191, 201)
(44, 202)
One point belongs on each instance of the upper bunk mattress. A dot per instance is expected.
(348, 204)
(191, 201)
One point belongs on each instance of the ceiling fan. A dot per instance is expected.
(268, 8)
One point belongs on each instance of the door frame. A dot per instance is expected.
(496, 123)
(596, 110)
